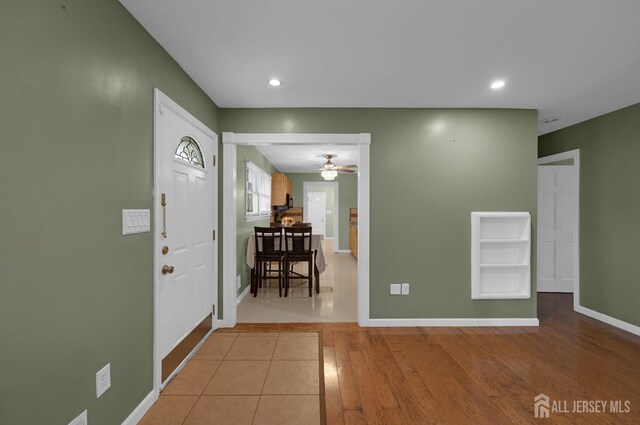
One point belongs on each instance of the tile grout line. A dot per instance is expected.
(265, 379)
(205, 387)
(190, 410)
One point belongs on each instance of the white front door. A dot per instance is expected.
(317, 211)
(556, 227)
(185, 219)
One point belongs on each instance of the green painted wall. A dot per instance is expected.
(430, 169)
(76, 131)
(348, 198)
(245, 228)
(609, 209)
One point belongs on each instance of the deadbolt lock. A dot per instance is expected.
(167, 269)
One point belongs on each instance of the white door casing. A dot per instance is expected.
(556, 228)
(317, 211)
(186, 296)
(231, 141)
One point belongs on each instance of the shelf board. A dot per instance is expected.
(502, 296)
(504, 240)
(503, 265)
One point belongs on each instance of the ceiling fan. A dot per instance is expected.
(331, 170)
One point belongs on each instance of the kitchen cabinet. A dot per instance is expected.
(280, 189)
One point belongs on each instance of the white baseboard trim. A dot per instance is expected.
(221, 323)
(455, 322)
(609, 320)
(142, 408)
(343, 251)
(243, 294)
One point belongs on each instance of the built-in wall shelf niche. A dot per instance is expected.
(500, 255)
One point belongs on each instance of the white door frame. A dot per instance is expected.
(230, 142)
(336, 207)
(161, 101)
(575, 155)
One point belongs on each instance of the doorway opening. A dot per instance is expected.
(558, 229)
(316, 212)
(330, 213)
(234, 249)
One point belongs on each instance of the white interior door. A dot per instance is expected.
(556, 227)
(185, 180)
(317, 211)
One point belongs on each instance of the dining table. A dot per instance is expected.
(319, 264)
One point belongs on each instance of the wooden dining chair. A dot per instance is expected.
(268, 251)
(297, 248)
(297, 225)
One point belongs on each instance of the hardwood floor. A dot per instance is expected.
(478, 375)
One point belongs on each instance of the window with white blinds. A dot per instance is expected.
(257, 192)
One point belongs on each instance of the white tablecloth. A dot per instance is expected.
(315, 245)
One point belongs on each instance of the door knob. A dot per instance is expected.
(167, 269)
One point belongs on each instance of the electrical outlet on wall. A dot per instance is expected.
(103, 380)
(238, 282)
(394, 289)
(405, 289)
(80, 420)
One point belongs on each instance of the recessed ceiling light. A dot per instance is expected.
(498, 84)
(274, 82)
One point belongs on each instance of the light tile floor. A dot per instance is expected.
(250, 378)
(338, 305)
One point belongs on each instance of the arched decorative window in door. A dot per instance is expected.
(189, 151)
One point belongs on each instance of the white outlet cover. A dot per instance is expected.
(394, 289)
(80, 420)
(103, 380)
(405, 289)
(238, 282)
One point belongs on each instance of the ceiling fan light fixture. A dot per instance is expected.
(329, 174)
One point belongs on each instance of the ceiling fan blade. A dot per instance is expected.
(348, 166)
(346, 170)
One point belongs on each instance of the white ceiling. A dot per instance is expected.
(307, 159)
(571, 59)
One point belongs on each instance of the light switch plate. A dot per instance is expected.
(405, 289)
(395, 289)
(103, 380)
(80, 420)
(136, 221)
